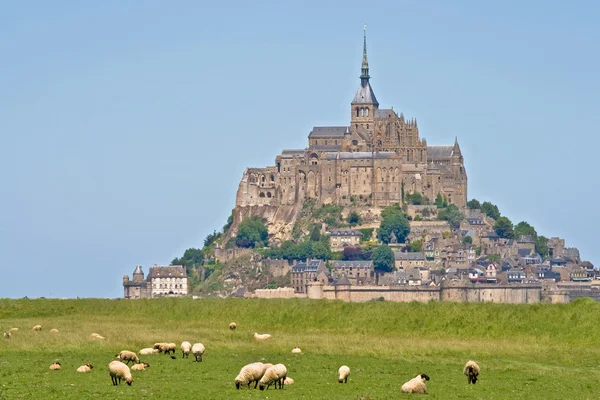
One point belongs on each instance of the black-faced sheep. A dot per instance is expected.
(7, 335)
(118, 371)
(37, 328)
(343, 372)
(274, 375)
(55, 366)
(85, 368)
(232, 326)
(471, 370)
(416, 384)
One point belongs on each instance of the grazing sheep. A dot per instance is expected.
(416, 384)
(296, 350)
(262, 336)
(344, 372)
(55, 366)
(232, 326)
(96, 336)
(186, 347)
(147, 351)
(126, 355)
(7, 335)
(288, 381)
(53, 330)
(118, 371)
(37, 328)
(11, 330)
(166, 348)
(274, 375)
(471, 370)
(250, 373)
(140, 367)
(198, 351)
(85, 368)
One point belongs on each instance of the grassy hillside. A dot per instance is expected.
(525, 351)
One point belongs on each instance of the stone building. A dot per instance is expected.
(160, 282)
(357, 272)
(309, 271)
(338, 239)
(378, 156)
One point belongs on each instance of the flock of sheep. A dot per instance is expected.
(262, 375)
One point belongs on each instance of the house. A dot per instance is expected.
(490, 273)
(309, 271)
(515, 276)
(558, 262)
(476, 275)
(528, 256)
(526, 242)
(413, 277)
(338, 239)
(409, 259)
(357, 272)
(579, 274)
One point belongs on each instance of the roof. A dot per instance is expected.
(346, 232)
(310, 266)
(384, 113)
(365, 95)
(354, 264)
(349, 155)
(138, 270)
(328, 131)
(166, 272)
(525, 239)
(439, 152)
(290, 152)
(524, 252)
(329, 147)
(342, 281)
(475, 221)
(411, 255)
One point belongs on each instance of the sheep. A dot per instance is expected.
(198, 351)
(85, 368)
(262, 336)
(416, 384)
(232, 326)
(37, 328)
(96, 336)
(288, 381)
(140, 367)
(128, 356)
(471, 370)
(250, 373)
(186, 347)
(55, 366)
(118, 371)
(7, 335)
(296, 350)
(147, 351)
(274, 375)
(344, 372)
(11, 330)
(53, 330)
(164, 347)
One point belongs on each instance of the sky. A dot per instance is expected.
(125, 126)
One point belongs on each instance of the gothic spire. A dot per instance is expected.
(365, 62)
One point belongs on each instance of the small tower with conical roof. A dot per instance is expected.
(365, 104)
(138, 274)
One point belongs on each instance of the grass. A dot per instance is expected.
(525, 351)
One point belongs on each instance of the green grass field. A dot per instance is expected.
(525, 351)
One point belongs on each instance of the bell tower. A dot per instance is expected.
(365, 104)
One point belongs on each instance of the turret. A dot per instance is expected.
(365, 104)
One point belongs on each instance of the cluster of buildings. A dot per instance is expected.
(162, 281)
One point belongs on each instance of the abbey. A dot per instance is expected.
(378, 158)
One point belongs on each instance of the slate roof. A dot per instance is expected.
(365, 95)
(439, 152)
(292, 152)
(525, 239)
(475, 221)
(328, 131)
(524, 252)
(168, 272)
(342, 281)
(384, 113)
(346, 232)
(358, 155)
(412, 255)
(311, 266)
(332, 147)
(353, 264)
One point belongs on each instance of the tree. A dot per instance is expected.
(393, 220)
(211, 238)
(467, 240)
(252, 232)
(352, 253)
(321, 250)
(315, 233)
(490, 210)
(415, 245)
(453, 215)
(229, 221)
(504, 228)
(416, 199)
(439, 201)
(474, 204)
(524, 229)
(541, 246)
(383, 259)
(191, 258)
(353, 218)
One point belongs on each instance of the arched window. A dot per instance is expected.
(366, 113)
(272, 178)
(263, 179)
(362, 112)
(261, 194)
(269, 195)
(355, 143)
(357, 111)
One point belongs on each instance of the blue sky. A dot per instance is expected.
(125, 126)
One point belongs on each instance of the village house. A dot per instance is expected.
(409, 260)
(338, 239)
(515, 276)
(357, 272)
(491, 272)
(309, 271)
(476, 275)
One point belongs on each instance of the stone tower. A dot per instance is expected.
(365, 104)
(138, 274)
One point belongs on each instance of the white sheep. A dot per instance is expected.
(416, 384)
(250, 373)
(166, 348)
(37, 328)
(11, 330)
(232, 326)
(296, 350)
(118, 371)
(471, 370)
(85, 368)
(147, 351)
(7, 335)
(343, 372)
(97, 336)
(53, 330)
(55, 366)
(186, 347)
(198, 351)
(288, 381)
(126, 355)
(262, 336)
(274, 375)
(140, 367)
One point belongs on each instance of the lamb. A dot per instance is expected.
(262, 336)
(274, 375)
(198, 351)
(147, 351)
(128, 356)
(416, 384)
(250, 373)
(96, 336)
(7, 335)
(232, 326)
(85, 368)
(471, 370)
(186, 347)
(344, 372)
(288, 381)
(37, 328)
(296, 350)
(55, 366)
(140, 367)
(53, 330)
(118, 371)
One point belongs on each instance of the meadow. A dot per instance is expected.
(542, 351)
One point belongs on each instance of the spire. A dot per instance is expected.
(456, 149)
(365, 62)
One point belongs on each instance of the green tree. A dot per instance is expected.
(439, 201)
(504, 228)
(383, 259)
(541, 246)
(353, 219)
(490, 210)
(474, 204)
(321, 250)
(211, 238)
(191, 258)
(229, 221)
(523, 228)
(416, 245)
(453, 215)
(315, 233)
(467, 240)
(393, 220)
(252, 232)
(416, 199)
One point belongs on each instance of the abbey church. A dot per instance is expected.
(378, 157)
